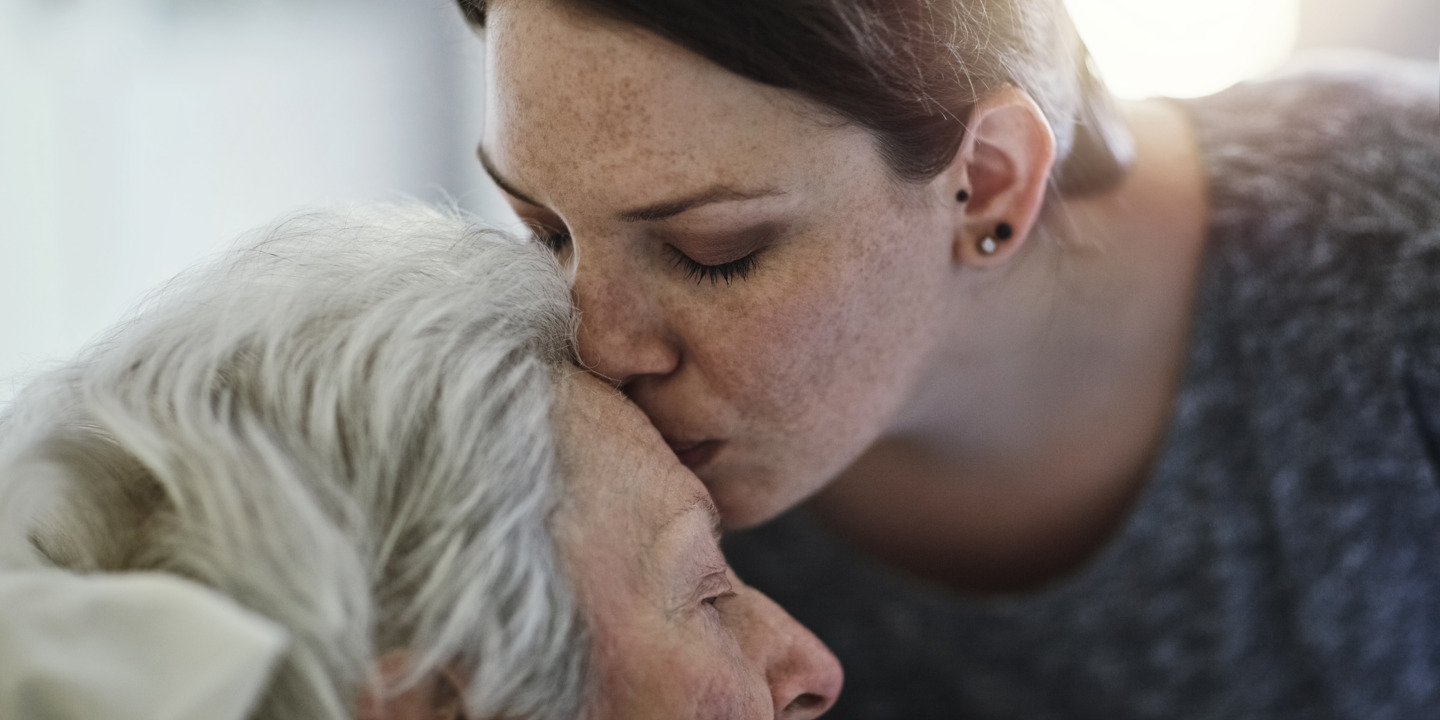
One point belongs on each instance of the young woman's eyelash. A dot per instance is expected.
(555, 240)
(558, 241)
(714, 273)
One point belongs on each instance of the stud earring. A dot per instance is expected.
(962, 196)
(990, 243)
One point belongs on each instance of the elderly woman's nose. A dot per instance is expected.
(622, 333)
(803, 674)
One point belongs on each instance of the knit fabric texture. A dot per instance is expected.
(1284, 558)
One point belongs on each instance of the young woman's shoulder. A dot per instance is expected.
(1328, 174)
(1324, 257)
(1331, 137)
(1323, 94)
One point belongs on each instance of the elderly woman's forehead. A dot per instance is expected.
(589, 407)
(604, 434)
(622, 481)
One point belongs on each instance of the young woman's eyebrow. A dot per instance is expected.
(500, 180)
(649, 213)
(671, 208)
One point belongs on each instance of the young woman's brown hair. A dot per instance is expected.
(908, 71)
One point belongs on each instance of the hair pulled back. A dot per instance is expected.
(909, 71)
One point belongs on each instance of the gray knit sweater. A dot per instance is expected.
(1284, 560)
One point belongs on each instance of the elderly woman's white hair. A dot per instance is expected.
(346, 428)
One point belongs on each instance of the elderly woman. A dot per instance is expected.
(365, 432)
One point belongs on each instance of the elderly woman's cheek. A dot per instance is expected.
(732, 691)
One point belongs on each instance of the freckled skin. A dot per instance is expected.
(661, 651)
(1017, 396)
(797, 368)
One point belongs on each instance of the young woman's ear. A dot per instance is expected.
(999, 177)
(438, 696)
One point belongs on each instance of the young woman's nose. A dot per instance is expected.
(622, 333)
(803, 674)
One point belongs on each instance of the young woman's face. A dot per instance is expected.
(747, 268)
(677, 636)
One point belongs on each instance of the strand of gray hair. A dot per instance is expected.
(345, 425)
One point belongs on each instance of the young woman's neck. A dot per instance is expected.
(1037, 423)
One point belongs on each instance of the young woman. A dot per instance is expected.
(1147, 395)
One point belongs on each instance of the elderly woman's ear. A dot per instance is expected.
(438, 696)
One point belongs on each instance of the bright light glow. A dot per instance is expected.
(1185, 48)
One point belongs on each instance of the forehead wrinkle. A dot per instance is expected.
(699, 502)
(595, 442)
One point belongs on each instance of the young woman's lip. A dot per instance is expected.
(695, 454)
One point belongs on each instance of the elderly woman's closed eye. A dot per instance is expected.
(366, 429)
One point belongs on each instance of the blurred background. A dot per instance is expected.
(139, 136)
